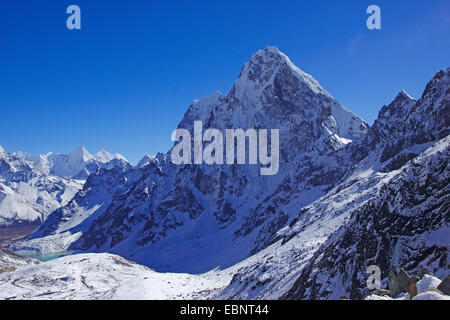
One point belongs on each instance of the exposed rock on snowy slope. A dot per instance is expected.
(389, 119)
(427, 289)
(375, 216)
(90, 202)
(325, 250)
(31, 187)
(406, 223)
(10, 261)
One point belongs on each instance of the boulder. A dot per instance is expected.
(444, 286)
(428, 282)
(400, 281)
(412, 290)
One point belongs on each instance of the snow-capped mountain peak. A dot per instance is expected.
(104, 156)
(405, 94)
(399, 107)
(271, 92)
(260, 72)
(80, 162)
(202, 108)
(148, 158)
(80, 154)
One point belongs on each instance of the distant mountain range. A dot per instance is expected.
(31, 187)
(347, 195)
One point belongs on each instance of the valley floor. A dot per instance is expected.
(11, 234)
(105, 276)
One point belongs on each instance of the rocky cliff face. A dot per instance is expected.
(406, 223)
(379, 214)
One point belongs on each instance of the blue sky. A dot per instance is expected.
(124, 80)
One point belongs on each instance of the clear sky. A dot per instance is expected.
(124, 80)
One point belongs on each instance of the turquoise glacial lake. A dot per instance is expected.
(45, 256)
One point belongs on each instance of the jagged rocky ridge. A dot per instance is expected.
(383, 214)
(346, 196)
(406, 223)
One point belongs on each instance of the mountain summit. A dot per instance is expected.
(262, 71)
(80, 154)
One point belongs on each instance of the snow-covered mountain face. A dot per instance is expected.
(389, 211)
(31, 187)
(406, 222)
(147, 159)
(346, 196)
(167, 215)
(78, 164)
(389, 119)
